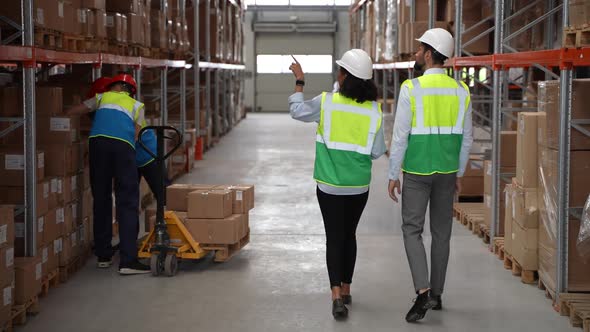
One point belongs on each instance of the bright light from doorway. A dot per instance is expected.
(279, 64)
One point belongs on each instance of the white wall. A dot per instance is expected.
(342, 43)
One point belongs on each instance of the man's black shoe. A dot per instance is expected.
(421, 305)
(438, 300)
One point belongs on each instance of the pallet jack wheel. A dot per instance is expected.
(171, 265)
(156, 265)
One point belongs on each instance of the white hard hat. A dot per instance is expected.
(440, 39)
(358, 63)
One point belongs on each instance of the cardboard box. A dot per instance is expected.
(58, 245)
(216, 231)
(579, 175)
(578, 268)
(508, 141)
(177, 195)
(242, 197)
(6, 303)
(158, 29)
(480, 46)
(29, 271)
(487, 216)
(549, 103)
(124, 28)
(508, 218)
(12, 10)
(421, 11)
(472, 10)
(210, 204)
(69, 249)
(113, 26)
(526, 150)
(126, 6)
(50, 101)
(94, 4)
(61, 130)
(71, 26)
(52, 229)
(16, 196)
(12, 165)
(6, 226)
(135, 29)
(64, 188)
(10, 102)
(525, 246)
(70, 217)
(65, 159)
(487, 179)
(19, 234)
(6, 265)
(100, 20)
(525, 207)
(579, 13)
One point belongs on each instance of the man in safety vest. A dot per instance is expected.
(432, 136)
(115, 129)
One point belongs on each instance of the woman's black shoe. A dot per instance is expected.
(347, 299)
(339, 310)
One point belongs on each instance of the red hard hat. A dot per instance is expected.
(99, 86)
(126, 78)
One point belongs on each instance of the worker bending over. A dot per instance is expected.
(112, 153)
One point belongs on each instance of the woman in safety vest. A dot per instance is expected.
(349, 137)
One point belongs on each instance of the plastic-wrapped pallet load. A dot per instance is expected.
(389, 51)
(583, 243)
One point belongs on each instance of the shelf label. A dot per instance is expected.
(19, 229)
(45, 255)
(40, 224)
(38, 271)
(46, 190)
(10, 257)
(41, 160)
(59, 124)
(60, 215)
(14, 162)
(3, 234)
(7, 296)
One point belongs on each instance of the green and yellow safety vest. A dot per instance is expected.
(438, 105)
(344, 141)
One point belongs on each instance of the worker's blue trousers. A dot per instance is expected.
(112, 159)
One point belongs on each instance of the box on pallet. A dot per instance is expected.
(19, 235)
(6, 302)
(210, 204)
(135, 29)
(525, 246)
(6, 265)
(158, 30)
(579, 13)
(10, 102)
(16, 196)
(65, 159)
(579, 176)
(526, 149)
(49, 259)
(217, 231)
(6, 226)
(177, 195)
(524, 206)
(126, 6)
(472, 180)
(12, 165)
(578, 268)
(507, 221)
(94, 4)
(114, 23)
(29, 271)
(242, 197)
(52, 228)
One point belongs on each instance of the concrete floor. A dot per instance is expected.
(279, 281)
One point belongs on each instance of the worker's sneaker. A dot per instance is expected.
(134, 268)
(347, 299)
(421, 305)
(339, 310)
(438, 300)
(104, 262)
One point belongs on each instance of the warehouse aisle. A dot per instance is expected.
(279, 282)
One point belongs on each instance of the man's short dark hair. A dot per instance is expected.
(437, 57)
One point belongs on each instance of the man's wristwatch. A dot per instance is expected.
(300, 83)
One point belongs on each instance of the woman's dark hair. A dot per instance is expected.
(357, 89)
(438, 58)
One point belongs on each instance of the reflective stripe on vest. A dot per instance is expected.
(116, 117)
(438, 105)
(344, 141)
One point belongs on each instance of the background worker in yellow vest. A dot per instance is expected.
(349, 137)
(432, 136)
(112, 155)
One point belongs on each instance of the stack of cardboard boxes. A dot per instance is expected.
(507, 170)
(62, 203)
(7, 285)
(213, 214)
(548, 139)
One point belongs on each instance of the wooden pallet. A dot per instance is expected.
(549, 293)
(47, 38)
(473, 222)
(6, 327)
(224, 252)
(118, 48)
(577, 307)
(574, 38)
(20, 311)
(96, 45)
(74, 43)
(498, 248)
(526, 276)
(66, 272)
(138, 50)
(49, 281)
(461, 210)
(484, 233)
